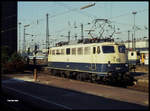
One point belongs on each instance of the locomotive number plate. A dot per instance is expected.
(118, 68)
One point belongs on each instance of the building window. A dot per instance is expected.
(87, 50)
(73, 51)
(80, 51)
(68, 51)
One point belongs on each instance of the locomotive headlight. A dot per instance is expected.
(126, 65)
(108, 64)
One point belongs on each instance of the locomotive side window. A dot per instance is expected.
(121, 49)
(98, 50)
(73, 51)
(57, 52)
(62, 52)
(94, 50)
(49, 51)
(68, 51)
(87, 50)
(80, 51)
(53, 52)
(108, 49)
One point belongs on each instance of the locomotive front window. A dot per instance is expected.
(121, 49)
(108, 49)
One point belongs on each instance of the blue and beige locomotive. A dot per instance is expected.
(96, 61)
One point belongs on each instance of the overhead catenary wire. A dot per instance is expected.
(83, 13)
(126, 14)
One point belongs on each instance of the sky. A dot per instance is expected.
(64, 16)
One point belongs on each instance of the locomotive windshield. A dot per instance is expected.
(108, 49)
(121, 49)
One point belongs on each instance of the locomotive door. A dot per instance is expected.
(93, 58)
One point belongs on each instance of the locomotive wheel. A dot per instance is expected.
(73, 75)
(93, 79)
(63, 74)
(79, 77)
(54, 72)
(59, 73)
(67, 74)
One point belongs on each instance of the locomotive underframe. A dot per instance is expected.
(111, 77)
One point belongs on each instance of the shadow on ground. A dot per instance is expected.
(66, 97)
(138, 73)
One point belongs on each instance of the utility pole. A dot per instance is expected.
(24, 40)
(132, 41)
(75, 36)
(82, 32)
(75, 30)
(134, 27)
(128, 39)
(69, 31)
(24, 47)
(47, 32)
(19, 37)
(68, 36)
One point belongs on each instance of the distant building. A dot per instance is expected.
(9, 25)
(140, 45)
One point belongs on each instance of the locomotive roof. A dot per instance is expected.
(84, 45)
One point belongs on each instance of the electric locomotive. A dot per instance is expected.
(103, 60)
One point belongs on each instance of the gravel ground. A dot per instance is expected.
(141, 75)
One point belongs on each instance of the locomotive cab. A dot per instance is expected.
(115, 58)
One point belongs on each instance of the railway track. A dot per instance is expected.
(43, 70)
(46, 76)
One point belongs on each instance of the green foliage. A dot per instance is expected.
(12, 63)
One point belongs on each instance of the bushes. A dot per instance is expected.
(13, 63)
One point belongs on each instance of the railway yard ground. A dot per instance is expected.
(132, 97)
